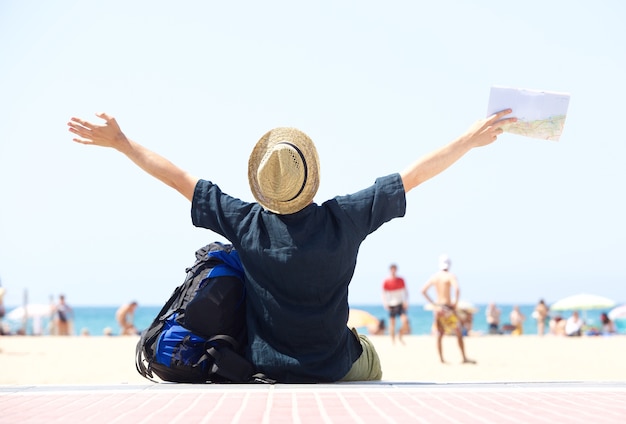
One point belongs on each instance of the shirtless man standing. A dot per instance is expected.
(445, 314)
(125, 317)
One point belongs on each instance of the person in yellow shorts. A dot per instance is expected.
(445, 315)
(517, 321)
(446, 319)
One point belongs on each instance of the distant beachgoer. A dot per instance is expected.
(608, 326)
(467, 321)
(125, 316)
(395, 301)
(62, 317)
(377, 329)
(444, 312)
(2, 309)
(107, 331)
(557, 325)
(517, 318)
(541, 315)
(574, 325)
(299, 257)
(493, 318)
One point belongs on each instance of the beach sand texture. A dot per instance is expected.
(110, 360)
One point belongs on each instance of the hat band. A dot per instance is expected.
(306, 172)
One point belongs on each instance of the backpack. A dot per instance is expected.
(200, 333)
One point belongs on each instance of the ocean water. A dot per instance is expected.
(96, 319)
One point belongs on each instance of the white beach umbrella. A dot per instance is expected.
(33, 310)
(583, 302)
(617, 313)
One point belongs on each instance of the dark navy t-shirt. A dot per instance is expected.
(298, 268)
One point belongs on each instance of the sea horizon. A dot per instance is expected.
(96, 320)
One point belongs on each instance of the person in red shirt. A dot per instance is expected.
(395, 301)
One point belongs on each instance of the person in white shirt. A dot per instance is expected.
(574, 325)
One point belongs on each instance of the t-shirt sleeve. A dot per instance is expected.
(217, 211)
(372, 207)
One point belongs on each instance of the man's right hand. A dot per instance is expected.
(107, 135)
(110, 135)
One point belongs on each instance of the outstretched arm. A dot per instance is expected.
(110, 135)
(483, 132)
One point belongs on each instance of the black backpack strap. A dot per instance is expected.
(227, 363)
(140, 360)
(230, 365)
(230, 341)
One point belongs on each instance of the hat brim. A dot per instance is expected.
(309, 153)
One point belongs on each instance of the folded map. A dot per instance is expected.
(540, 114)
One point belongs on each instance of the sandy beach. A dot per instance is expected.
(110, 360)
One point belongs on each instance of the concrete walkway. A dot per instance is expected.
(381, 402)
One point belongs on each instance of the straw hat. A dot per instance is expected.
(283, 171)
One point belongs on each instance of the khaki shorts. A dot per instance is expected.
(367, 367)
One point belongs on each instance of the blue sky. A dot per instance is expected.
(375, 85)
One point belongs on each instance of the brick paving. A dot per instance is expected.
(382, 402)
